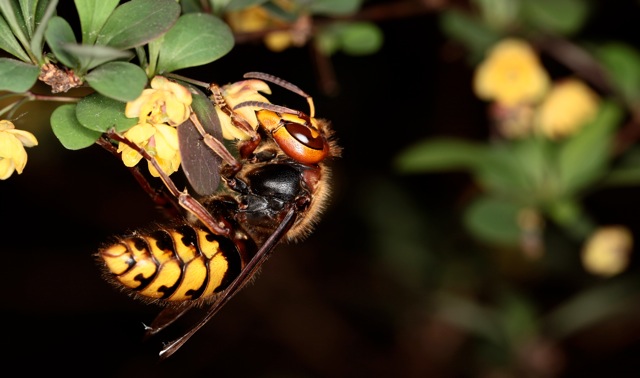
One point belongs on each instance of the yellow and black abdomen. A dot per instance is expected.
(183, 263)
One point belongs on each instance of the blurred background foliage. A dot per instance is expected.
(483, 215)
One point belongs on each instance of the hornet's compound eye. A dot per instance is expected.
(301, 142)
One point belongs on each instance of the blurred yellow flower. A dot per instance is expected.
(165, 102)
(236, 93)
(511, 74)
(248, 20)
(606, 252)
(256, 19)
(13, 156)
(278, 40)
(159, 140)
(569, 106)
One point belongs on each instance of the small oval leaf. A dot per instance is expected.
(361, 38)
(69, 131)
(494, 220)
(93, 14)
(17, 76)
(440, 155)
(194, 40)
(137, 22)
(120, 81)
(59, 33)
(100, 113)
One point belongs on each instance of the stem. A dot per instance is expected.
(188, 80)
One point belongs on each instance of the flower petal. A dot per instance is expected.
(140, 133)
(6, 168)
(26, 138)
(6, 125)
(133, 108)
(176, 111)
(166, 141)
(130, 157)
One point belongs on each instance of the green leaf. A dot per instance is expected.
(120, 81)
(558, 16)
(335, 7)
(17, 76)
(137, 22)
(494, 220)
(28, 11)
(194, 40)
(592, 306)
(327, 41)
(37, 41)
(41, 9)
(91, 56)
(14, 20)
(9, 43)
(584, 157)
(626, 172)
(440, 155)
(69, 131)
(361, 38)
(512, 170)
(474, 34)
(93, 15)
(59, 33)
(622, 64)
(100, 113)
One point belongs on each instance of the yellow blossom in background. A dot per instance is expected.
(606, 252)
(569, 106)
(511, 74)
(165, 102)
(278, 40)
(160, 140)
(249, 20)
(256, 19)
(13, 156)
(236, 93)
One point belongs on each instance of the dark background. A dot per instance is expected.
(339, 303)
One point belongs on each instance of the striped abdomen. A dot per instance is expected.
(184, 263)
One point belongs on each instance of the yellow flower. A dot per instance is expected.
(13, 156)
(164, 102)
(569, 106)
(251, 19)
(511, 74)
(236, 93)
(606, 252)
(278, 40)
(257, 18)
(160, 140)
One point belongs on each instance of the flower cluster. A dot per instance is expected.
(525, 100)
(159, 110)
(13, 156)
